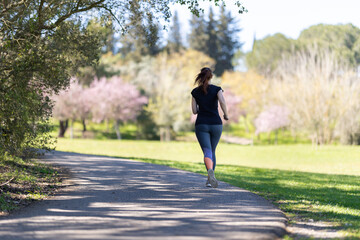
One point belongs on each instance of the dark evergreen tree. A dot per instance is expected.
(152, 35)
(216, 38)
(212, 43)
(198, 37)
(110, 40)
(174, 40)
(227, 42)
(142, 34)
(134, 39)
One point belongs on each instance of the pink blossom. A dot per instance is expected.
(115, 99)
(71, 103)
(274, 117)
(234, 109)
(105, 99)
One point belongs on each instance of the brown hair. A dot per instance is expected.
(202, 79)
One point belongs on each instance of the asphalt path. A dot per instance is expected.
(113, 198)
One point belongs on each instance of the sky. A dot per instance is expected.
(289, 17)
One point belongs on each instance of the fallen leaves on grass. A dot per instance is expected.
(29, 181)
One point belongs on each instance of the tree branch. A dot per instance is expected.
(40, 12)
(113, 15)
(72, 12)
(7, 182)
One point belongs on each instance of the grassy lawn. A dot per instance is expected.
(326, 159)
(305, 182)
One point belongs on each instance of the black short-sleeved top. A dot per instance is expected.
(208, 105)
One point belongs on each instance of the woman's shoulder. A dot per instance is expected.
(215, 87)
(195, 90)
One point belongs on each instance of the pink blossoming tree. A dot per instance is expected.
(114, 99)
(71, 104)
(104, 100)
(271, 119)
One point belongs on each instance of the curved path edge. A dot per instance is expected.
(113, 198)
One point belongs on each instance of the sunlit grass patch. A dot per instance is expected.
(325, 159)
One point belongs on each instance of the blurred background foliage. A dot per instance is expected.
(113, 74)
(292, 91)
(44, 44)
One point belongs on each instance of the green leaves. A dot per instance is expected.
(38, 61)
(193, 5)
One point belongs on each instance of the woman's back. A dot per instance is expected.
(208, 105)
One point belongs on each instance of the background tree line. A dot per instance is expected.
(43, 44)
(303, 86)
(164, 73)
(316, 77)
(343, 40)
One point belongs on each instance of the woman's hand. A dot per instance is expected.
(226, 117)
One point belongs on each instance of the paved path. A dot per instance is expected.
(115, 198)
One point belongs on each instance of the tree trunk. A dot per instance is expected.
(276, 137)
(72, 129)
(165, 134)
(357, 137)
(117, 129)
(84, 125)
(63, 128)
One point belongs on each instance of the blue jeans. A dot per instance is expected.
(208, 137)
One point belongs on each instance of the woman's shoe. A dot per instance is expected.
(208, 183)
(212, 179)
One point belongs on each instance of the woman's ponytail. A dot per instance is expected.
(202, 79)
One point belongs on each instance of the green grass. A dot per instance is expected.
(324, 159)
(311, 183)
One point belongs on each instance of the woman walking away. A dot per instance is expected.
(208, 125)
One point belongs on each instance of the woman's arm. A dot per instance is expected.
(222, 104)
(194, 106)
